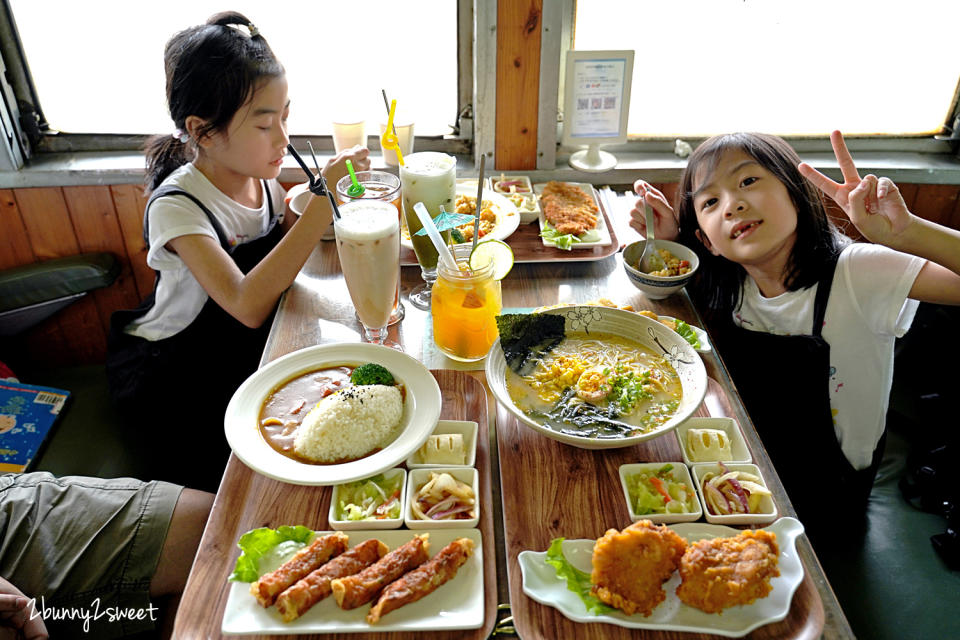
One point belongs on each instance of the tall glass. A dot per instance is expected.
(465, 306)
(368, 243)
(429, 177)
(378, 185)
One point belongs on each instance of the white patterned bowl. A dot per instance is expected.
(649, 333)
(658, 287)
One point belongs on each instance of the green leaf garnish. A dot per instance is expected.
(258, 543)
(577, 581)
(687, 333)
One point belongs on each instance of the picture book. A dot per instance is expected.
(27, 412)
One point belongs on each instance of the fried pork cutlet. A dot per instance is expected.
(725, 572)
(568, 208)
(630, 567)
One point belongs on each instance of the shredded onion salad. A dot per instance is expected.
(732, 492)
(444, 497)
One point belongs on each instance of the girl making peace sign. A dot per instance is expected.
(805, 319)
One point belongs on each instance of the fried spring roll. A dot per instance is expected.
(352, 591)
(423, 580)
(295, 601)
(270, 585)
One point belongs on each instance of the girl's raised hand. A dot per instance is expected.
(874, 205)
(665, 221)
(336, 167)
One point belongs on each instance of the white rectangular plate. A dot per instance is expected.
(601, 223)
(458, 604)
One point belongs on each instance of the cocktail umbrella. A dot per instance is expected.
(446, 221)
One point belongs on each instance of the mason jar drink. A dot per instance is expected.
(465, 306)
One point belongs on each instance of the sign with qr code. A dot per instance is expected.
(27, 412)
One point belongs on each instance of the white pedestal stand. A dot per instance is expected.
(593, 160)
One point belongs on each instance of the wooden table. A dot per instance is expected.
(317, 310)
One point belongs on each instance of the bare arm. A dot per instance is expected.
(250, 298)
(877, 209)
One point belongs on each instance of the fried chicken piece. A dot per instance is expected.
(725, 572)
(568, 208)
(630, 567)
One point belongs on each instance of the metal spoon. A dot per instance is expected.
(650, 260)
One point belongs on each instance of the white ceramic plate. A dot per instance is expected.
(633, 326)
(508, 218)
(421, 410)
(701, 335)
(541, 583)
(604, 233)
(458, 604)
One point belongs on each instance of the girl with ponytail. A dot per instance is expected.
(219, 238)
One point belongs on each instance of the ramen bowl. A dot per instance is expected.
(658, 287)
(648, 333)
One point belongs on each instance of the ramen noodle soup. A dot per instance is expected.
(598, 385)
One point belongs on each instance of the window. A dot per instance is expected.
(790, 68)
(97, 65)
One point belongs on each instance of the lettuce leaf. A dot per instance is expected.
(687, 333)
(577, 581)
(560, 240)
(255, 544)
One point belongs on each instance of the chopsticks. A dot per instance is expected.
(476, 220)
(318, 184)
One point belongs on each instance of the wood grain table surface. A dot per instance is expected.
(317, 310)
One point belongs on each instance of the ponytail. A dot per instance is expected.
(228, 53)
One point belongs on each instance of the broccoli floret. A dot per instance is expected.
(371, 373)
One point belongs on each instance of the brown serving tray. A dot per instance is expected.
(464, 398)
(528, 247)
(553, 490)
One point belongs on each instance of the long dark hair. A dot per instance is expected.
(719, 281)
(212, 69)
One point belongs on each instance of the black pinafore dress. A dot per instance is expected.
(784, 384)
(175, 391)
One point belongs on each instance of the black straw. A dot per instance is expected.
(318, 184)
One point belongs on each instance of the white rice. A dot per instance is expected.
(350, 424)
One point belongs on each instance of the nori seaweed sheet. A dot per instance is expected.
(526, 337)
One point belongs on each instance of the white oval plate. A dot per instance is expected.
(421, 410)
(541, 583)
(508, 218)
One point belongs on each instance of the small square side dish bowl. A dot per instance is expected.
(642, 484)
(448, 440)
(366, 496)
(442, 500)
(712, 439)
(750, 481)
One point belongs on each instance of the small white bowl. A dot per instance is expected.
(297, 198)
(658, 287)
(738, 446)
(384, 523)
(679, 473)
(466, 428)
(768, 509)
(419, 477)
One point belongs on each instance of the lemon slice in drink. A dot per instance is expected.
(495, 251)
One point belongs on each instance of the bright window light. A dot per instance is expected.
(789, 68)
(98, 64)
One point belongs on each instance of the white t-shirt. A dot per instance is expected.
(867, 310)
(179, 297)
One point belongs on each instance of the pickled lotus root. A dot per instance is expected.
(630, 567)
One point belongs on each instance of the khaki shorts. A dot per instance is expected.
(85, 549)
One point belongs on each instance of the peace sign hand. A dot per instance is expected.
(874, 205)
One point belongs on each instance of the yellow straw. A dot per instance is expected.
(389, 139)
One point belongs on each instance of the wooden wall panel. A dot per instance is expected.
(518, 78)
(14, 242)
(130, 202)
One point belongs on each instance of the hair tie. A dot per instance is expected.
(254, 32)
(178, 134)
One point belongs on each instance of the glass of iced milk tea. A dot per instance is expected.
(377, 185)
(368, 243)
(429, 177)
